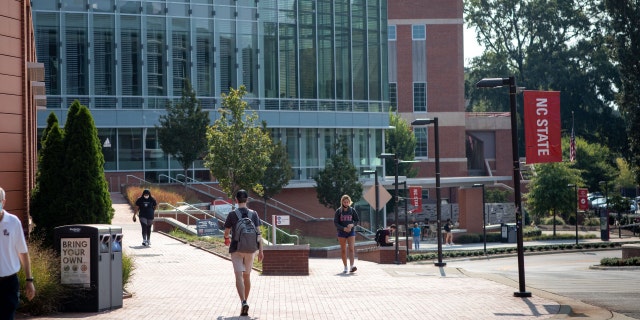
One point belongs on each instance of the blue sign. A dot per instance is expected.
(207, 227)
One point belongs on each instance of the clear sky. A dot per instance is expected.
(471, 47)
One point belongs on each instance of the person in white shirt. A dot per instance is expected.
(13, 253)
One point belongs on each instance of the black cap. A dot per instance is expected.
(146, 191)
(242, 194)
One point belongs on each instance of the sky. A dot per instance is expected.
(471, 47)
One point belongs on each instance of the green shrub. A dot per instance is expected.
(128, 266)
(591, 222)
(614, 262)
(45, 269)
(531, 232)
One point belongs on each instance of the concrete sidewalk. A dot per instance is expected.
(173, 280)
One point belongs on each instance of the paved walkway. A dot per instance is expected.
(173, 280)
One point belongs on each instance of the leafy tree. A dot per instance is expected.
(548, 191)
(401, 141)
(86, 195)
(239, 148)
(339, 177)
(50, 181)
(622, 26)
(593, 160)
(625, 177)
(277, 174)
(495, 195)
(183, 130)
(548, 45)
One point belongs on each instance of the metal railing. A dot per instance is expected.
(176, 212)
(269, 227)
(273, 203)
(140, 180)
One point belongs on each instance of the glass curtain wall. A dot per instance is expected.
(292, 55)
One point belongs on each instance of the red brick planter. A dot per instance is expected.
(286, 260)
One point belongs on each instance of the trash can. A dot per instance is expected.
(604, 225)
(91, 265)
(509, 233)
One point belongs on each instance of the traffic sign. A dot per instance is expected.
(383, 197)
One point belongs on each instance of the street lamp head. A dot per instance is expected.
(602, 182)
(387, 156)
(478, 185)
(423, 122)
(571, 185)
(492, 82)
(369, 171)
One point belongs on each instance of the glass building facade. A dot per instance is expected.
(314, 70)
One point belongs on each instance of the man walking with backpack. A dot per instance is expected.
(243, 225)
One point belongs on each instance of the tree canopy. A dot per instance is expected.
(239, 147)
(401, 141)
(548, 45)
(339, 177)
(183, 130)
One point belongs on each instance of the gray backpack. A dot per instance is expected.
(246, 233)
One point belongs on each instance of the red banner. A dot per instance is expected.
(583, 202)
(542, 126)
(415, 198)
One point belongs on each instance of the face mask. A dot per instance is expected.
(146, 197)
(0, 206)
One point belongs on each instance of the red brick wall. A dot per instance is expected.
(424, 9)
(286, 260)
(383, 255)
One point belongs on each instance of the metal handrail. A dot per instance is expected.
(278, 229)
(194, 181)
(139, 179)
(176, 210)
(274, 203)
(168, 178)
(193, 208)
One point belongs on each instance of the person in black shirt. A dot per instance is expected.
(345, 219)
(145, 208)
(385, 239)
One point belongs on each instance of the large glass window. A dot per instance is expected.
(47, 49)
(130, 152)
(205, 57)
(421, 142)
(181, 54)
(343, 49)
(104, 54)
(227, 50)
(326, 79)
(307, 47)
(156, 57)
(360, 59)
(154, 157)
(373, 52)
(131, 56)
(77, 63)
(248, 47)
(288, 52)
(109, 143)
(419, 97)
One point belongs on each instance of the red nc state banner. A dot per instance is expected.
(542, 126)
(415, 196)
(583, 202)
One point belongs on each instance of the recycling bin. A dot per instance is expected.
(91, 266)
(509, 233)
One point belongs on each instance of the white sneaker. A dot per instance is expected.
(345, 270)
(148, 242)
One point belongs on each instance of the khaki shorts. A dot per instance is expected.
(242, 262)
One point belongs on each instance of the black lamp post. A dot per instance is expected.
(606, 207)
(575, 203)
(375, 185)
(423, 122)
(484, 219)
(395, 206)
(513, 90)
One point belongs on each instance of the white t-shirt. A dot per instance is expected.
(12, 243)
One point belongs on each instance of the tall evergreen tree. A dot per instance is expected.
(183, 130)
(338, 177)
(46, 203)
(86, 195)
(239, 148)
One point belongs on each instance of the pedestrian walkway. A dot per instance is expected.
(173, 280)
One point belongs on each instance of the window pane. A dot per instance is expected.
(156, 80)
(391, 33)
(130, 151)
(104, 54)
(419, 96)
(421, 141)
(130, 50)
(419, 32)
(77, 54)
(393, 95)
